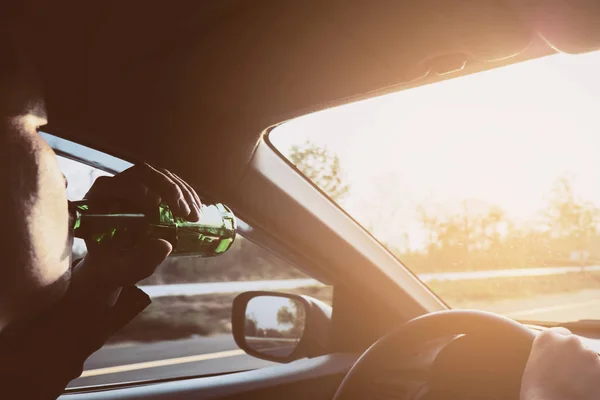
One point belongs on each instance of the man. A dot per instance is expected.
(54, 315)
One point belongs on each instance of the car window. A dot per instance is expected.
(186, 331)
(487, 186)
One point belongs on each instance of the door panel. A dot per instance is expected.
(315, 378)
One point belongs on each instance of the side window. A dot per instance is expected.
(186, 331)
(80, 178)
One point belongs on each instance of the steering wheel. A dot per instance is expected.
(487, 327)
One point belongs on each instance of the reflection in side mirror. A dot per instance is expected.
(274, 325)
(280, 327)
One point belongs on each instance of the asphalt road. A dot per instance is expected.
(209, 355)
(189, 357)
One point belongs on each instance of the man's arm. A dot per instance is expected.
(43, 353)
(141, 188)
(50, 321)
(40, 356)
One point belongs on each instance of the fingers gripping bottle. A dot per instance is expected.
(211, 236)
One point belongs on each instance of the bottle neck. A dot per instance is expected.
(85, 222)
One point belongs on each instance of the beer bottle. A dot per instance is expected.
(211, 236)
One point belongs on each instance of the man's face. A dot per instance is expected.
(39, 231)
(34, 233)
(51, 233)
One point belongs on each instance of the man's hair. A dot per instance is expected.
(20, 87)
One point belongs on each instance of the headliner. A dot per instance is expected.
(192, 86)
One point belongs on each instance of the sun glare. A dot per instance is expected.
(463, 178)
(501, 137)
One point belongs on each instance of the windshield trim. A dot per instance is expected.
(84, 154)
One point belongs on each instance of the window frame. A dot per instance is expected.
(113, 165)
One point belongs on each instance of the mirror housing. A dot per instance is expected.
(289, 326)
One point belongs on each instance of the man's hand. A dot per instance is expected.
(139, 189)
(560, 367)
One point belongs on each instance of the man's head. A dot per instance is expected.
(34, 232)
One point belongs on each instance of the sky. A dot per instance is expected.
(79, 178)
(500, 137)
(263, 309)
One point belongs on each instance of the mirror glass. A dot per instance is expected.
(274, 325)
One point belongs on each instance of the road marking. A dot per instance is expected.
(119, 345)
(160, 363)
(552, 308)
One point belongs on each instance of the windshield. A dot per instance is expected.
(486, 186)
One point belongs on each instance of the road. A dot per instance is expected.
(197, 356)
(209, 355)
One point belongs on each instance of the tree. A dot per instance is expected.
(466, 237)
(285, 316)
(430, 223)
(572, 222)
(295, 317)
(383, 210)
(321, 167)
(568, 216)
(492, 224)
(250, 327)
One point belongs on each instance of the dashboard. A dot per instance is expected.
(451, 367)
(448, 367)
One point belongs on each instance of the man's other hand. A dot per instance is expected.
(560, 367)
(140, 188)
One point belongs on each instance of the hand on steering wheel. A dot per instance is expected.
(414, 333)
(561, 367)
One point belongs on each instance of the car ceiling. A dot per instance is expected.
(192, 85)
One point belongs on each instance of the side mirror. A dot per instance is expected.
(280, 327)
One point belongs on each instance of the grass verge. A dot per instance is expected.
(463, 293)
(169, 318)
(184, 316)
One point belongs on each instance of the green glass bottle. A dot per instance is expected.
(213, 235)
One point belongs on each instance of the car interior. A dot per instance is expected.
(195, 87)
